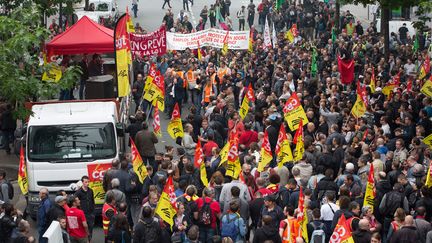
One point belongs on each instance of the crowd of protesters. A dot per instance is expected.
(262, 206)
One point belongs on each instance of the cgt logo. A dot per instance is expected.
(96, 172)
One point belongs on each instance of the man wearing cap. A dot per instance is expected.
(273, 210)
(56, 211)
(349, 170)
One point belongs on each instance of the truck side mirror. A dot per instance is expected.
(120, 129)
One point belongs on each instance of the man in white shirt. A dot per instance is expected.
(328, 210)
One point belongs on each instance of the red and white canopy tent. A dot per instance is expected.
(85, 36)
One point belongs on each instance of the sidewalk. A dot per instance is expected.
(10, 164)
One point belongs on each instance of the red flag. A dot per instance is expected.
(361, 90)
(299, 133)
(346, 70)
(250, 93)
(176, 112)
(198, 155)
(409, 85)
(301, 204)
(365, 135)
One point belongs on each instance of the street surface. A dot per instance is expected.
(150, 14)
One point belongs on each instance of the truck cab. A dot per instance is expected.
(99, 11)
(67, 140)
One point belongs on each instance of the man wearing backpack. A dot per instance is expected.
(316, 228)
(232, 225)
(390, 202)
(147, 230)
(208, 211)
(6, 189)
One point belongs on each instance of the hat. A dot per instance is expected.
(270, 197)
(59, 199)
(349, 167)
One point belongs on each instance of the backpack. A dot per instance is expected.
(394, 200)
(10, 190)
(229, 227)
(205, 214)
(318, 234)
(150, 232)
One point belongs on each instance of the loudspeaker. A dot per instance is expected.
(100, 87)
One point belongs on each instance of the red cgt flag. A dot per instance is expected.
(346, 70)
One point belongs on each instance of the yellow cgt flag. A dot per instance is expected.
(428, 176)
(175, 126)
(266, 154)
(122, 56)
(200, 163)
(244, 108)
(370, 189)
(137, 163)
(224, 153)
(359, 108)
(22, 173)
(283, 149)
(298, 140)
(233, 165)
(166, 205)
(427, 88)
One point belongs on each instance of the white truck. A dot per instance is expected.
(67, 140)
(101, 10)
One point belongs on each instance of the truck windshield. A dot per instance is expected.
(71, 143)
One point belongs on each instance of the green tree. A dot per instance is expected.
(21, 36)
(386, 6)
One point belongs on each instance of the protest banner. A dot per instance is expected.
(95, 174)
(151, 44)
(237, 40)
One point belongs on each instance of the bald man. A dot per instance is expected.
(363, 233)
(408, 232)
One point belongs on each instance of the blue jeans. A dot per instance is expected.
(206, 234)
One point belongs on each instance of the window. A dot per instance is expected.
(71, 143)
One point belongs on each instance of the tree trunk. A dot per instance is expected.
(337, 16)
(86, 6)
(385, 17)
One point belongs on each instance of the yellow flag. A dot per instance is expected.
(22, 173)
(53, 74)
(244, 108)
(203, 174)
(166, 205)
(427, 88)
(233, 167)
(428, 176)
(298, 140)
(283, 149)
(175, 126)
(122, 56)
(224, 153)
(266, 154)
(289, 36)
(137, 163)
(200, 163)
(358, 108)
(294, 112)
(372, 84)
(369, 198)
(428, 140)
(225, 45)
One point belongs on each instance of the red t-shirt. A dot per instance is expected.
(214, 207)
(248, 137)
(75, 218)
(207, 149)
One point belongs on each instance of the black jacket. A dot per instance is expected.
(405, 234)
(87, 200)
(54, 213)
(7, 224)
(324, 186)
(140, 230)
(362, 236)
(267, 232)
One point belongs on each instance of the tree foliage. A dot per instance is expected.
(20, 73)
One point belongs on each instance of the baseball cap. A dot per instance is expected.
(59, 199)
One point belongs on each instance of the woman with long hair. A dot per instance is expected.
(120, 232)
